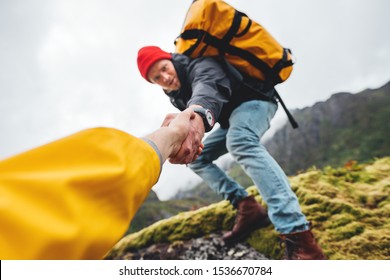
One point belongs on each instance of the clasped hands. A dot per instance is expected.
(189, 143)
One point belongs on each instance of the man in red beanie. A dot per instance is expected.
(148, 56)
(217, 92)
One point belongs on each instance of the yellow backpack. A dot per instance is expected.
(213, 27)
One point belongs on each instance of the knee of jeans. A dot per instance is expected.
(240, 143)
(199, 163)
(232, 146)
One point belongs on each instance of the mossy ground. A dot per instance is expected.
(349, 208)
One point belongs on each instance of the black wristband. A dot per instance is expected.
(207, 117)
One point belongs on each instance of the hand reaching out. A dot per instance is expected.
(192, 145)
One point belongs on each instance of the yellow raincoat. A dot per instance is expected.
(74, 198)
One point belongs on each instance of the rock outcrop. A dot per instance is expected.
(209, 247)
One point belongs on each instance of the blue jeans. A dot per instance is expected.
(248, 123)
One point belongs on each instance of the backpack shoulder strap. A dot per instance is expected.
(290, 117)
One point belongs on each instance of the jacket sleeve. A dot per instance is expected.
(74, 198)
(210, 84)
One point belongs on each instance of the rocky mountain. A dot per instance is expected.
(345, 127)
(348, 206)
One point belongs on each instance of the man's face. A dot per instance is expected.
(163, 73)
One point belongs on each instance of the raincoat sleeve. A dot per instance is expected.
(74, 198)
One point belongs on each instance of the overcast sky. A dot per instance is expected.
(71, 64)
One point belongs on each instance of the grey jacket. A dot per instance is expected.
(206, 81)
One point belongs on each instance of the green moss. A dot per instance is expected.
(340, 220)
(370, 245)
(266, 241)
(346, 231)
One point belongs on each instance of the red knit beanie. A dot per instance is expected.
(147, 56)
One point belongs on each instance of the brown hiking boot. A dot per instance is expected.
(250, 216)
(301, 246)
